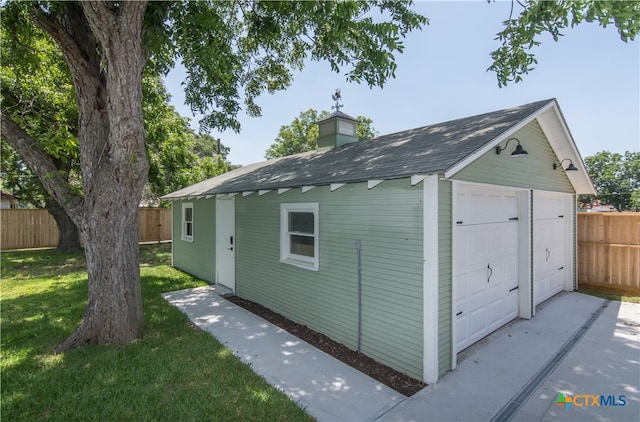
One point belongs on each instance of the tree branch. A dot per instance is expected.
(42, 166)
(102, 14)
(81, 57)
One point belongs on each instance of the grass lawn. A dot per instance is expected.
(174, 372)
(611, 296)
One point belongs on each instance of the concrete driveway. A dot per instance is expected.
(584, 347)
(517, 372)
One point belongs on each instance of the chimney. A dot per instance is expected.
(336, 130)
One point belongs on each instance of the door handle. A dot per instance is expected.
(548, 254)
(490, 273)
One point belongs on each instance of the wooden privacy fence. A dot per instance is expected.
(609, 252)
(35, 228)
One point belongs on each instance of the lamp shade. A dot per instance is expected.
(519, 151)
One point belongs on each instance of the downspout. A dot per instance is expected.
(358, 249)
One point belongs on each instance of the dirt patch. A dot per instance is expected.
(400, 382)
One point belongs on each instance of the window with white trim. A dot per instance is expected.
(299, 234)
(187, 222)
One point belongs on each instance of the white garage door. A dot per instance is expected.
(486, 262)
(549, 259)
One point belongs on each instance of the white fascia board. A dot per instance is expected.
(336, 186)
(199, 196)
(497, 140)
(208, 196)
(373, 183)
(225, 195)
(263, 191)
(247, 193)
(283, 190)
(557, 132)
(417, 178)
(304, 189)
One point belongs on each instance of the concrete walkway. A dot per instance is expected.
(606, 361)
(326, 388)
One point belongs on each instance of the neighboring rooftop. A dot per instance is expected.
(5, 195)
(432, 149)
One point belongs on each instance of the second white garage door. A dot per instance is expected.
(550, 244)
(486, 262)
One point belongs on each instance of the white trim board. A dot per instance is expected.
(430, 273)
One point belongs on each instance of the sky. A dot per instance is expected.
(442, 76)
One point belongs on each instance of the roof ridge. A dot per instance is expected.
(542, 102)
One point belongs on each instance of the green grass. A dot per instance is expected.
(174, 372)
(611, 296)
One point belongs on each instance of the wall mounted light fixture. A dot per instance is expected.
(518, 152)
(570, 167)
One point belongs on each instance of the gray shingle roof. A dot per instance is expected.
(430, 149)
(338, 113)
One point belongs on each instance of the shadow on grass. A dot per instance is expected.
(49, 263)
(173, 372)
(30, 264)
(48, 317)
(43, 318)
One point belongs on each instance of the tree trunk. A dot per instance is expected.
(114, 311)
(114, 170)
(68, 234)
(102, 44)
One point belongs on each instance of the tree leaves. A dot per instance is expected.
(38, 94)
(235, 51)
(616, 178)
(513, 59)
(302, 133)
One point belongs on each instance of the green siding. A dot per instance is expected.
(197, 257)
(388, 221)
(532, 171)
(445, 275)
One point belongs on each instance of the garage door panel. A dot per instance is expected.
(462, 331)
(486, 259)
(548, 206)
(478, 243)
(477, 205)
(478, 319)
(550, 232)
(495, 311)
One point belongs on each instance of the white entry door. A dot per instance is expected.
(550, 244)
(486, 262)
(225, 242)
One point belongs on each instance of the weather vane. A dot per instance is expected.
(336, 97)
